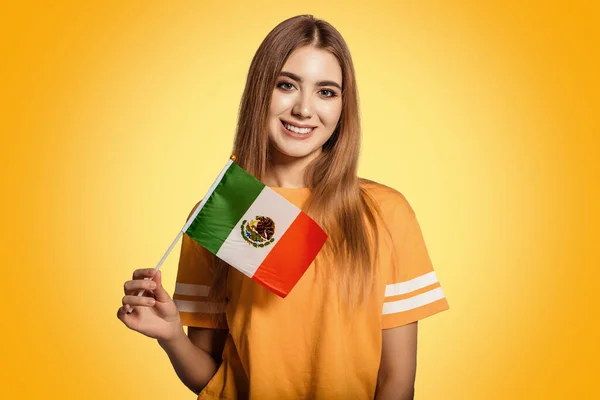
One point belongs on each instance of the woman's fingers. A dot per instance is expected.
(124, 316)
(149, 281)
(138, 284)
(130, 300)
(160, 293)
(144, 273)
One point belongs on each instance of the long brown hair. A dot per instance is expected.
(337, 201)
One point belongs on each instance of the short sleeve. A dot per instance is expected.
(412, 288)
(192, 285)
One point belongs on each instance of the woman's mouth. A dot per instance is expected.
(296, 132)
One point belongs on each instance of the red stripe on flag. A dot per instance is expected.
(292, 255)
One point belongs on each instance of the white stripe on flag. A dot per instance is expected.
(237, 251)
(413, 302)
(187, 289)
(200, 307)
(417, 283)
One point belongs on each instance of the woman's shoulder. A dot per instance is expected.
(389, 200)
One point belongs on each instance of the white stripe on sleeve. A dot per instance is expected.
(188, 289)
(417, 283)
(411, 303)
(200, 307)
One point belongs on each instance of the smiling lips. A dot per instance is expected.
(295, 131)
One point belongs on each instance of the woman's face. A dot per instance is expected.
(308, 96)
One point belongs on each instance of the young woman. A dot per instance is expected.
(348, 329)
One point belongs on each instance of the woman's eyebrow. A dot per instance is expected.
(298, 79)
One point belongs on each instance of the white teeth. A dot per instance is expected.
(296, 129)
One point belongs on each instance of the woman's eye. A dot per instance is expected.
(330, 93)
(285, 85)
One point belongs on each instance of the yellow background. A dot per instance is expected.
(116, 117)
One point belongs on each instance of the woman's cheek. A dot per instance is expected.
(281, 102)
(330, 113)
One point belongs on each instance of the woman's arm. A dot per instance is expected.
(397, 370)
(195, 357)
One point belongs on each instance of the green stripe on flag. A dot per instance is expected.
(233, 195)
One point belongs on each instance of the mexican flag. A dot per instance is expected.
(255, 230)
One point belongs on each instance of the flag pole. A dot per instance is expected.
(188, 222)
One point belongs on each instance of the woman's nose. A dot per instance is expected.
(303, 106)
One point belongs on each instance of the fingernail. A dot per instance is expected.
(152, 301)
(152, 285)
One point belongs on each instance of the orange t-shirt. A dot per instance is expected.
(303, 346)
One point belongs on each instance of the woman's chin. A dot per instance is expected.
(297, 153)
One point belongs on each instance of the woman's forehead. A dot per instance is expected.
(313, 65)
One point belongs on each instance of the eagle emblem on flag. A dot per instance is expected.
(258, 232)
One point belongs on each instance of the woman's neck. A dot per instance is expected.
(287, 172)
